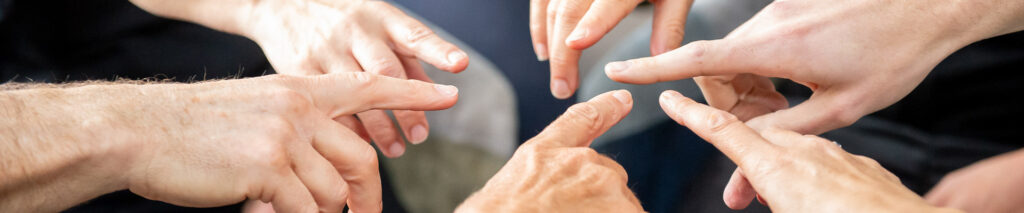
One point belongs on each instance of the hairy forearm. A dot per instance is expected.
(59, 147)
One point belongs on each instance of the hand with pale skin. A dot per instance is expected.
(313, 37)
(794, 172)
(990, 185)
(208, 144)
(561, 29)
(857, 56)
(556, 171)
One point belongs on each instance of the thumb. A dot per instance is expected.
(699, 58)
(824, 111)
(352, 92)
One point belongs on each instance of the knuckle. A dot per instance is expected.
(562, 61)
(585, 154)
(278, 128)
(289, 101)
(586, 115)
(362, 166)
(605, 176)
(362, 80)
(719, 121)
(269, 154)
(675, 27)
(418, 34)
(386, 67)
(368, 159)
(696, 50)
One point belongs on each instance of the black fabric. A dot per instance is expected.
(965, 110)
(59, 40)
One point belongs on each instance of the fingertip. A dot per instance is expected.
(396, 149)
(418, 134)
(446, 90)
(560, 89)
(624, 97)
(541, 50)
(457, 61)
(671, 99)
(579, 39)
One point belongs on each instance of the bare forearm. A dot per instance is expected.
(224, 15)
(57, 147)
(986, 19)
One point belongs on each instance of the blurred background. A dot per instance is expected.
(505, 97)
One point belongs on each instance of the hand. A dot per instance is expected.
(557, 172)
(991, 185)
(794, 172)
(562, 28)
(269, 138)
(316, 37)
(857, 57)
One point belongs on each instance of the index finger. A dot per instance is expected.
(698, 58)
(352, 92)
(737, 141)
(583, 122)
(416, 38)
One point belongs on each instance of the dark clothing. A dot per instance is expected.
(60, 40)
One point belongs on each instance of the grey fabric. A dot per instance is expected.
(468, 143)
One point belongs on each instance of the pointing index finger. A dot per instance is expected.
(353, 92)
(737, 141)
(585, 121)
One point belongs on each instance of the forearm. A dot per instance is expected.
(230, 16)
(990, 18)
(58, 147)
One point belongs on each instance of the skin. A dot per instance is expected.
(561, 29)
(314, 37)
(207, 144)
(794, 172)
(556, 171)
(857, 56)
(991, 185)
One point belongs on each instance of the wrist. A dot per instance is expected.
(105, 134)
(61, 148)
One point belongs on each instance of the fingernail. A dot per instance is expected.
(446, 90)
(577, 35)
(455, 56)
(622, 95)
(669, 98)
(418, 134)
(396, 149)
(560, 89)
(617, 66)
(542, 51)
